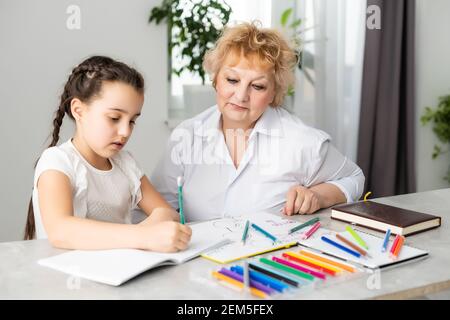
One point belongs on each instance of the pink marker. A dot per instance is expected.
(310, 231)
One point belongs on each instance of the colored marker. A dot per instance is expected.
(245, 234)
(262, 278)
(352, 245)
(307, 223)
(237, 284)
(246, 275)
(401, 240)
(293, 257)
(239, 277)
(287, 269)
(291, 280)
(326, 260)
(316, 274)
(357, 237)
(310, 232)
(386, 240)
(394, 244)
(323, 264)
(264, 232)
(341, 247)
(180, 182)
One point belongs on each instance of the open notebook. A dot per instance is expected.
(256, 243)
(377, 258)
(117, 266)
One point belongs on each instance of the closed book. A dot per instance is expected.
(381, 217)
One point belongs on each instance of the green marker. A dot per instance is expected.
(180, 198)
(244, 235)
(308, 223)
(356, 237)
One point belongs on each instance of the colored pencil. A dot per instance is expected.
(341, 247)
(352, 245)
(307, 223)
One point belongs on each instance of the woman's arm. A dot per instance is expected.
(66, 231)
(307, 201)
(336, 180)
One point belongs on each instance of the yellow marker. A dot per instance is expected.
(316, 262)
(367, 194)
(254, 291)
(356, 237)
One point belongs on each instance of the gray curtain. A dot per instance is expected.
(386, 134)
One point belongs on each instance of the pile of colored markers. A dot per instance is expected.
(396, 245)
(356, 249)
(275, 275)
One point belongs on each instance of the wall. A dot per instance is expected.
(433, 81)
(36, 56)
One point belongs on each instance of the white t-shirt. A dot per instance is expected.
(99, 195)
(282, 152)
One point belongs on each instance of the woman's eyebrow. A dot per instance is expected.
(263, 76)
(124, 111)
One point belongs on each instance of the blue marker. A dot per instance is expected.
(264, 232)
(339, 246)
(262, 278)
(386, 240)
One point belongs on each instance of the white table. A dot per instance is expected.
(22, 278)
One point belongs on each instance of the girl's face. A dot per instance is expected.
(107, 122)
(244, 92)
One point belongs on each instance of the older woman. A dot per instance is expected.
(247, 154)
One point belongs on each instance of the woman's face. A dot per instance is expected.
(244, 92)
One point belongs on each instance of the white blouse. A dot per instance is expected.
(108, 196)
(281, 152)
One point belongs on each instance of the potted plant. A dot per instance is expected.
(193, 28)
(440, 117)
(291, 26)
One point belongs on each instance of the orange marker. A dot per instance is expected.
(240, 285)
(401, 240)
(394, 244)
(297, 258)
(329, 261)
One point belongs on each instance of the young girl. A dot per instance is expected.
(84, 189)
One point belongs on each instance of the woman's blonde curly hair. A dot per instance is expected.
(268, 46)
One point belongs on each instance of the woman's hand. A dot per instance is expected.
(301, 200)
(165, 236)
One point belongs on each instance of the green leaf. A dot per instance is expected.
(295, 24)
(285, 16)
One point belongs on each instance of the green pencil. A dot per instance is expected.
(307, 223)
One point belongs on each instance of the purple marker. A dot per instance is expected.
(240, 278)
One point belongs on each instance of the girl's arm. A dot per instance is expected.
(154, 205)
(64, 230)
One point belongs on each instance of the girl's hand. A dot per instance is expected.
(301, 200)
(165, 236)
